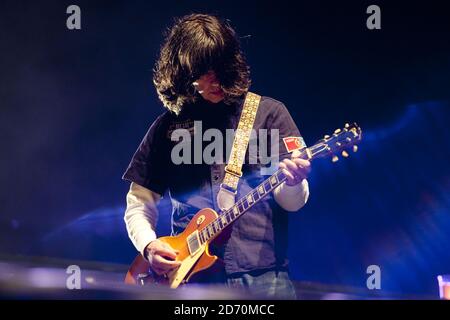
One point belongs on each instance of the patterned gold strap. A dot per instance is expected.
(233, 170)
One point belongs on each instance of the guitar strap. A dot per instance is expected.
(233, 170)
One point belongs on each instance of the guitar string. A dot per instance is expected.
(314, 150)
(243, 200)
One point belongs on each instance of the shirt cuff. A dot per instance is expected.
(292, 198)
(143, 240)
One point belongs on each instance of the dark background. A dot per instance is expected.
(74, 106)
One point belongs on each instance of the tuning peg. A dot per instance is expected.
(347, 125)
(355, 148)
(335, 159)
(337, 131)
(345, 154)
(326, 137)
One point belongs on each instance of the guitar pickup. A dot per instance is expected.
(193, 242)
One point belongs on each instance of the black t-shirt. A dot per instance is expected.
(258, 238)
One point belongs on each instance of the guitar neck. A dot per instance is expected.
(245, 203)
(329, 145)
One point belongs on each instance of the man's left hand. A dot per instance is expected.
(295, 169)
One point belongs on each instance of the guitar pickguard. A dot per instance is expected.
(177, 276)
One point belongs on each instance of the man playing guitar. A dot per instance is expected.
(201, 75)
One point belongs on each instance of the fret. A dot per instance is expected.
(245, 204)
(219, 223)
(223, 218)
(256, 195)
(261, 190)
(240, 207)
(230, 218)
(280, 175)
(250, 199)
(213, 227)
(211, 230)
(202, 237)
(236, 211)
(273, 180)
(267, 186)
(207, 233)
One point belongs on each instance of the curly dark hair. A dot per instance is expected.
(194, 45)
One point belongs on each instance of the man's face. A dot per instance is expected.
(209, 87)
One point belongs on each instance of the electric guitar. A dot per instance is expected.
(193, 243)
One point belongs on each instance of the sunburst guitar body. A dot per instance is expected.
(194, 257)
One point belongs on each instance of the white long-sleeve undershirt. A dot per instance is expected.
(141, 215)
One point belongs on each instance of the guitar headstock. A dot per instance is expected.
(338, 143)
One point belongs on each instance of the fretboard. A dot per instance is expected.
(241, 206)
(325, 147)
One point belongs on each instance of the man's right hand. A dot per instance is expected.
(161, 257)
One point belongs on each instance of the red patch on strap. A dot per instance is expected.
(294, 143)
